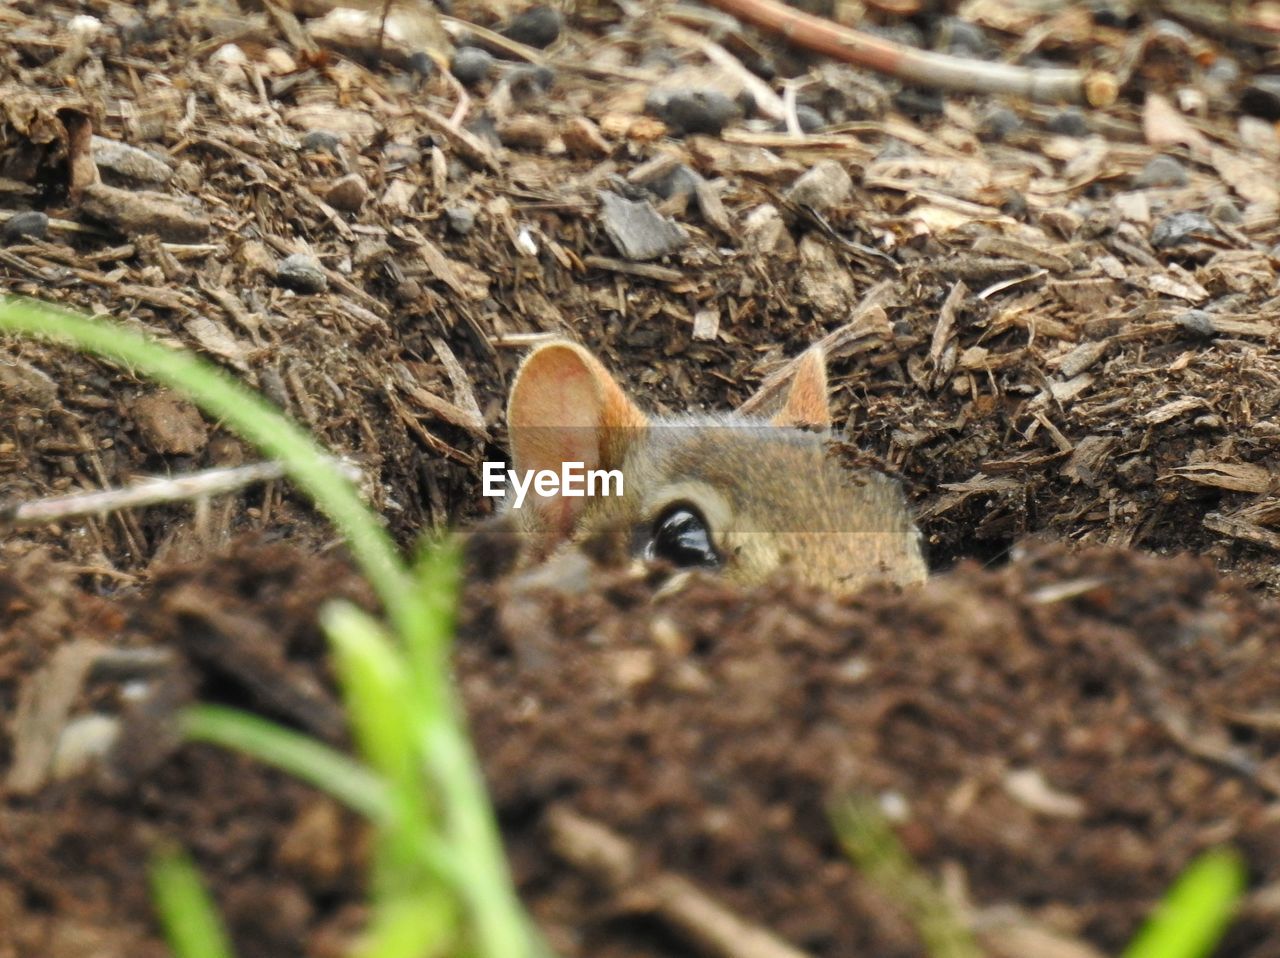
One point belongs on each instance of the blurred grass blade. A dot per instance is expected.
(1196, 911)
(298, 754)
(872, 845)
(190, 921)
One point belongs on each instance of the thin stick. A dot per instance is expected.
(146, 492)
(922, 67)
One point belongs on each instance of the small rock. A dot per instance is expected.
(462, 219)
(128, 163)
(1196, 321)
(1161, 171)
(680, 181)
(30, 224)
(169, 425)
(962, 38)
(471, 65)
(143, 211)
(583, 139)
(1224, 210)
(916, 102)
(1069, 121)
(998, 124)
(347, 193)
(825, 186)
(1180, 228)
(695, 111)
(1262, 97)
(321, 141)
(638, 230)
(421, 64)
(810, 120)
(527, 132)
(539, 26)
(302, 273)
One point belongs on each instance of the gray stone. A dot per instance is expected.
(471, 65)
(1161, 171)
(538, 26)
(638, 230)
(824, 186)
(1179, 228)
(122, 162)
(302, 273)
(29, 224)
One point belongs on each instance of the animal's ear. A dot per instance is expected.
(806, 404)
(565, 407)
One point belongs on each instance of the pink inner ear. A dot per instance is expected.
(806, 403)
(555, 417)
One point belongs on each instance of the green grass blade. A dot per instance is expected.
(871, 844)
(250, 416)
(299, 755)
(187, 915)
(1196, 911)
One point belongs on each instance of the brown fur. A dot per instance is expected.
(769, 491)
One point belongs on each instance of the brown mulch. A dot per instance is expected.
(1047, 336)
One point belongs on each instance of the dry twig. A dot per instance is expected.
(922, 67)
(601, 852)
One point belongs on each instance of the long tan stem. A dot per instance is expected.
(922, 67)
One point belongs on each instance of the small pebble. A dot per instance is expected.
(30, 224)
(302, 274)
(681, 181)
(810, 120)
(1161, 171)
(1069, 121)
(998, 124)
(1180, 228)
(1262, 97)
(917, 102)
(462, 219)
(321, 141)
(698, 111)
(123, 162)
(1196, 321)
(347, 193)
(826, 185)
(472, 66)
(421, 64)
(538, 26)
(1225, 210)
(963, 38)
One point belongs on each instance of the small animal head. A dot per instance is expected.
(733, 493)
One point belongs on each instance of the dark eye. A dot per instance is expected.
(681, 537)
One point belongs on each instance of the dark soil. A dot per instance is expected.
(1054, 730)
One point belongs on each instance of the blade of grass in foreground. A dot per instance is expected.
(442, 754)
(190, 921)
(1196, 910)
(871, 844)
